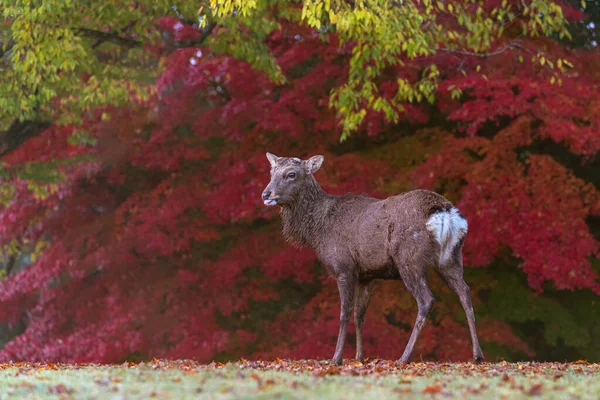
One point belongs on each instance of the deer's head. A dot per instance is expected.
(289, 176)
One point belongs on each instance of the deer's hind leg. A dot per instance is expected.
(452, 274)
(413, 268)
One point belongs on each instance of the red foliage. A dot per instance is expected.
(162, 247)
(512, 196)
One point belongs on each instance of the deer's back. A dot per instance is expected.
(365, 231)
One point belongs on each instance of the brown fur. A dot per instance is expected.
(360, 239)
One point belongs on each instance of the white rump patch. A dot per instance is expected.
(448, 228)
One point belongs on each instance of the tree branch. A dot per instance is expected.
(113, 37)
(18, 132)
(509, 46)
(99, 41)
(5, 48)
(178, 44)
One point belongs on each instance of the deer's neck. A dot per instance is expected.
(305, 219)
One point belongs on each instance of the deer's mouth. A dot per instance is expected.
(271, 202)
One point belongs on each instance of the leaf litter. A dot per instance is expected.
(301, 379)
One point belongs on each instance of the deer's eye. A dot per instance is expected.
(291, 175)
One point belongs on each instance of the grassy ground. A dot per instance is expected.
(376, 379)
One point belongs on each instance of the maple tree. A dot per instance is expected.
(61, 59)
(140, 231)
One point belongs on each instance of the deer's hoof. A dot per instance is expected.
(336, 361)
(402, 362)
(478, 358)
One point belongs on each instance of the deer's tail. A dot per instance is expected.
(449, 228)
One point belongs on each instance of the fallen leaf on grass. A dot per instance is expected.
(128, 364)
(432, 389)
(535, 389)
(60, 389)
(296, 385)
(581, 362)
(25, 385)
(160, 395)
(328, 371)
(477, 390)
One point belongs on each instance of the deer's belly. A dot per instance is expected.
(388, 272)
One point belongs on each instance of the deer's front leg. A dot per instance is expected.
(362, 296)
(346, 284)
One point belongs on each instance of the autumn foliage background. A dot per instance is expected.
(149, 238)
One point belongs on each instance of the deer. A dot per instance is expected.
(361, 239)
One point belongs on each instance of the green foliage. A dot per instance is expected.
(566, 321)
(385, 32)
(61, 58)
(49, 46)
(82, 138)
(244, 35)
(41, 177)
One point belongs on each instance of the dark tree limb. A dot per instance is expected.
(100, 40)
(10, 264)
(116, 38)
(19, 132)
(179, 44)
(113, 37)
(6, 47)
(481, 55)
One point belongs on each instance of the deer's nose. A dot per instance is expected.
(266, 194)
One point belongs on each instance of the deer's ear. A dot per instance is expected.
(273, 159)
(314, 163)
